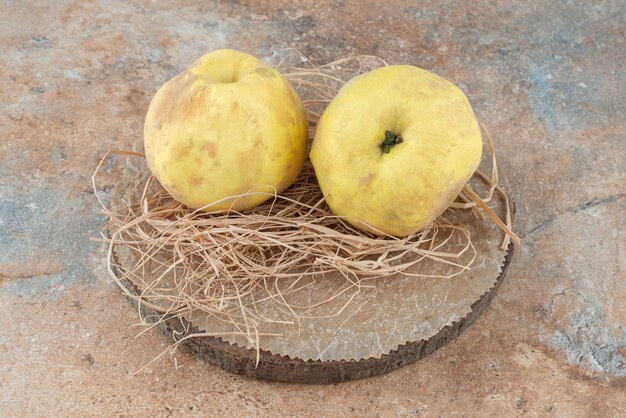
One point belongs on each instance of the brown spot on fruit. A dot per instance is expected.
(367, 179)
(283, 116)
(210, 148)
(264, 72)
(176, 100)
(182, 151)
(196, 181)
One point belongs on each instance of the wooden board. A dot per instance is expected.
(242, 361)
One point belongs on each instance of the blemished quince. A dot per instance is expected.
(394, 148)
(227, 126)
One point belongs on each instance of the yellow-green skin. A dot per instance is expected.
(228, 125)
(400, 192)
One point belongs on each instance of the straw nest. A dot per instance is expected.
(185, 262)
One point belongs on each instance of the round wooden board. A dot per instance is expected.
(236, 359)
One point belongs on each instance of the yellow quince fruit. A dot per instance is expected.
(227, 126)
(394, 148)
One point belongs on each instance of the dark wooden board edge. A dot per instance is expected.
(236, 359)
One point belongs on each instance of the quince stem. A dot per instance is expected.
(390, 141)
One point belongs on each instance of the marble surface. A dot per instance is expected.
(548, 80)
